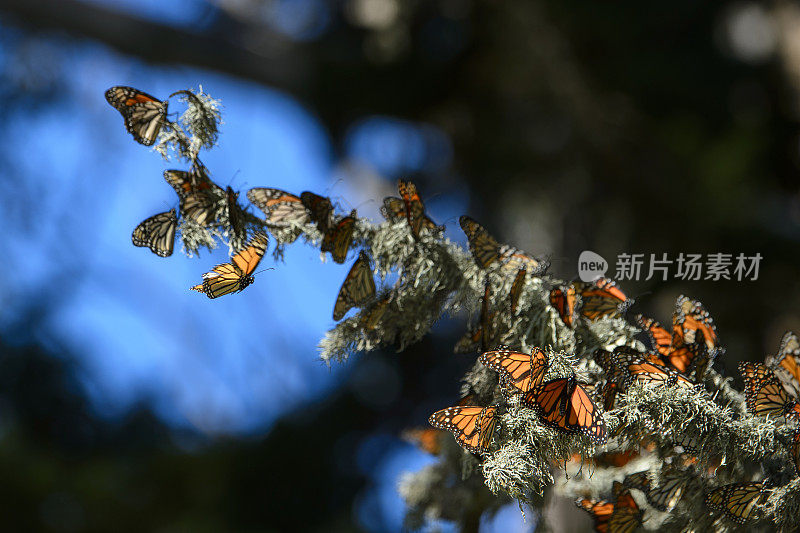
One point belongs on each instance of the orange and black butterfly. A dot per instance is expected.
(426, 439)
(614, 377)
(634, 367)
(516, 289)
(320, 209)
(764, 394)
(666, 494)
(660, 338)
(519, 372)
(339, 237)
(563, 299)
(157, 233)
(144, 114)
(471, 341)
(739, 502)
(565, 405)
(409, 207)
(198, 195)
(236, 215)
(358, 287)
(472, 426)
(236, 275)
(786, 364)
(487, 251)
(280, 207)
(602, 298)
(620, 516)
(690, 319)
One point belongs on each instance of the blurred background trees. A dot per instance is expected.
(128, 404)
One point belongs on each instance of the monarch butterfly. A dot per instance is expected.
(197, 194)
(516, 289)
(236, 275)
(666, 495)
(786, 364)
(280, 207)
(691, 318)
(635, 368)
(563, 300)
(157, 233)
(394, 210)
(602, 298)
(614, 376)
(764, 394)
(739, 502)
(373, 316)
(426, 439)
(621, 516)
(235, 214)
(358, 287)
(144, 114)
(487, 251)
(660, 338)
(470, 341)
(320, 209)
(338, 238)
(413, 209)
(563, 404)
(520, 372)
(472, 426)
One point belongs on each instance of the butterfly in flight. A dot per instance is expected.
(144, 114)
(320, 209)
(487, 251)
(358, 287)
(157, 233)
(339, 237)
(235, 276)
(764, 394)
(620, 516)
(472, 426)
(198, 195)
(280, 207)
(786, 364)
(739, 502)
(426, 439)
(563, 299)
(408, 207)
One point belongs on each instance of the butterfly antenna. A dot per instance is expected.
(262, 270)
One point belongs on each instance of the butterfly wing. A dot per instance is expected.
(786, 364)
(279, 207)
(374, 315)
(338, 239)
(516, 289)
(393, 209)
(660, 338)
(320, 209)
(564, 405)
(236, 275)
(600, 510)
(157, 233)
(521, 372)
(472, 426)
(235, 214)
(144, 115)
(690, 318)
(602, 298)
(358, 287)
(739, 502)
(484, 248)
(198, 201)
(563, 300)
(414, 208)
(763, 392)
(626, 516)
